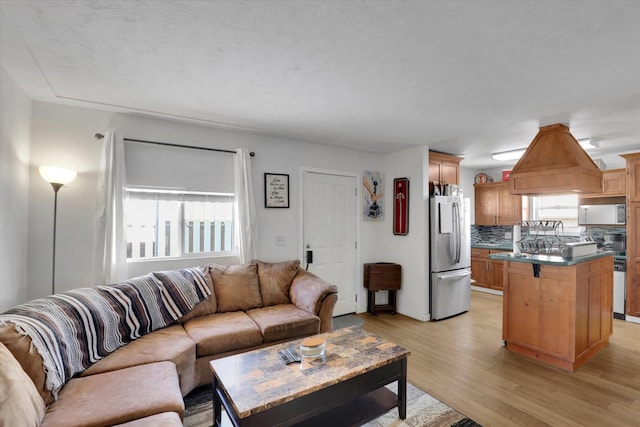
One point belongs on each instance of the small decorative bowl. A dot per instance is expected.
(312, 347)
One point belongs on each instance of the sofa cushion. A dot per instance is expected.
(169, 344)
(284, 321)
(165, 419)
(222, 332)
(20, 346)
(236, 287)
(20, 402)
(275, 279)
(117, 397)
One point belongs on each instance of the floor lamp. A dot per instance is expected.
(57, 177)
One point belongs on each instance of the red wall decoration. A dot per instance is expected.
(401, 206)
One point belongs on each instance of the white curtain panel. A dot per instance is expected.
(246, 213)
(110, 250)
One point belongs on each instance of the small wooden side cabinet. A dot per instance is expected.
(382, 276)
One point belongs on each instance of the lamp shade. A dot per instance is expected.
(56, 175)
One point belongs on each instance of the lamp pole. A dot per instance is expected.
(56, 187)
(57, 177)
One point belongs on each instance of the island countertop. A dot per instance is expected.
(548, 259)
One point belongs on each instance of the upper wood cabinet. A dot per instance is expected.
(633, 177)
(495, 205)
(633, 234)
(444, 168)
(613, 184)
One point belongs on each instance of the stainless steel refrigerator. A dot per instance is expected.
(450, 256)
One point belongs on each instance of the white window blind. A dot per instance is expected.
(151, 166)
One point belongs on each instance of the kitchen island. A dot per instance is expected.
(556, 310)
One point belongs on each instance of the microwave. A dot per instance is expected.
(612, 214)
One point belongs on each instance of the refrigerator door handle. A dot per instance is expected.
(454, 275)
(456, 238)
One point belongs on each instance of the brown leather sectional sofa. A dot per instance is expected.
(143, 383)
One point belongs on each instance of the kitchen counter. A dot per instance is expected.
(498, 246)
(548, 259)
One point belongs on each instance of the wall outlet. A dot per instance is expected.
(281, 241)
(508, 235)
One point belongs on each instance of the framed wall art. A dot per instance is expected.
(276, 190)
(401, 206)
(373, 202)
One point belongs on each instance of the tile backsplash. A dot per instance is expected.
(495, 234)
(490, 234)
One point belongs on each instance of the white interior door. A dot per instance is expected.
(329, 231)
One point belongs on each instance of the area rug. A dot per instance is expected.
(346, 321)
(422, 411)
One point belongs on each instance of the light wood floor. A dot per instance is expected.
(462, 362)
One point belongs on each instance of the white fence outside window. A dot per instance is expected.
(162, 224)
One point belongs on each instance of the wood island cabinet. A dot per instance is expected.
(486, 272)
(444, 168)
(633, 234)
(495, 205)
(563, 315)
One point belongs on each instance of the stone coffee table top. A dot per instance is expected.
(258, 380)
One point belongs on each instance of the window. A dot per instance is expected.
(555, 208)
(172, 223)
(180, 202)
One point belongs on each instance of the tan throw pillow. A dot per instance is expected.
(20, 346)
(206, 307)
(20, 401)
(236, 287)
(275, 280)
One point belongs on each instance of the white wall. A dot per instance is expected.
(410, 251)
(15, 122)
(64, 136)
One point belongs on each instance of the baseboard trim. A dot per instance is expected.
(632, 319)
(486, 290)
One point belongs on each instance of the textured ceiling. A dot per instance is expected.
(467, 78)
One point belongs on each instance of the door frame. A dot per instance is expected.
(360, 296)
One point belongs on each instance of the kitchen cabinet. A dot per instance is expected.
(444, 168)
(486, 272)
(495, 205)
(614, 184)
(633, 234)
(558, 314)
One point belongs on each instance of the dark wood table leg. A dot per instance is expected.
(402, 391)
(371, 303)
(217, 405)
(392, 301)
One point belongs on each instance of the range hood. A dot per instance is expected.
(554, 163)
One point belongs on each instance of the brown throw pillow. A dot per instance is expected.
(236, 287)
(275, 280)
(20, 402)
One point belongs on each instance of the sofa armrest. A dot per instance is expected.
(310, 293)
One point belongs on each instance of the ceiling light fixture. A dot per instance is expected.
(588, 143)
(585, 143)
(508, 155)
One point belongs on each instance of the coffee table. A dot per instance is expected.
(340, 388)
